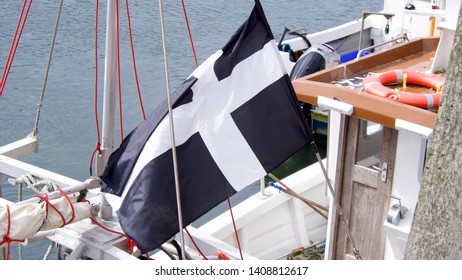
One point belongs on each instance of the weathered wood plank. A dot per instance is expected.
(365, 176)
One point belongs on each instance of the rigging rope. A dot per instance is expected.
(189, 32)
(172, 129)
(133, 60)
(14, 43)
(49, 251)
(340, 211)
(118, 72)
(235, 229)
(39, 185)
(135, 71)
(50, 55)
(20, 247)
(131, 243)
(98, 141)
(195, 245)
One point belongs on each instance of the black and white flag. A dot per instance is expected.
(236, 118)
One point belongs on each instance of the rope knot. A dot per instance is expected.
(7, 239)
(98, 147)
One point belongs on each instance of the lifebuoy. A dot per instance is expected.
(375, 84)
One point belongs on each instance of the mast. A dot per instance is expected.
(110, 88)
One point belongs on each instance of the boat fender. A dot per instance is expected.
(316, 58)
(376, 84)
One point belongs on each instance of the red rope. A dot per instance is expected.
(221, 256)
(131, 243)
(6, 238)
(195, 245)
(98, 142)
(44, 197)
(97, 149)
(70, 204)
(235, 229)
(108, 229)
(133, 60)
(189, 32)
(14, 43)
(118, 73)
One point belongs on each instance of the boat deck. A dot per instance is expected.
(415, 55)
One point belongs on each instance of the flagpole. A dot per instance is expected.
(110, 87)
(172, 132)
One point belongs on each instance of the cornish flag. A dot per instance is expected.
(236, 118)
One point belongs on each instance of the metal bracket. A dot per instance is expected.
(384, 171)
(263, 194)
(396, 212)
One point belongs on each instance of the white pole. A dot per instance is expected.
(89, 184)
(110, 88)
(172, 133)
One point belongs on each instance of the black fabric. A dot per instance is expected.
(248, 39)
(122, 160)
(149, 211)
(272, 124)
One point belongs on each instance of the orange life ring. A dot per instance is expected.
(375, 84)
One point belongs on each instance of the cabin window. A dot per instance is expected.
(369, 144)
(370, 128)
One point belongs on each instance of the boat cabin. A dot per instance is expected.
(376, 151)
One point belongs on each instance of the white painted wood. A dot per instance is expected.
(15, 168)
(20, 148)
(267, 227)
(410, 157)
(335, 105)
(402, 125)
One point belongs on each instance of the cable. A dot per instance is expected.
(235, 229)
(118, 73)
(195, 245)
(98, 141)
(47, 69)
(189, 32)
(133, 60)
(14, 43)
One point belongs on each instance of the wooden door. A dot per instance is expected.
(363, 185)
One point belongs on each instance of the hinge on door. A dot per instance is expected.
(383, 174)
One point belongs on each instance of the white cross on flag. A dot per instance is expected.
(236, 118)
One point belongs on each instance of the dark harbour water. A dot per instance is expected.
(67, 128)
